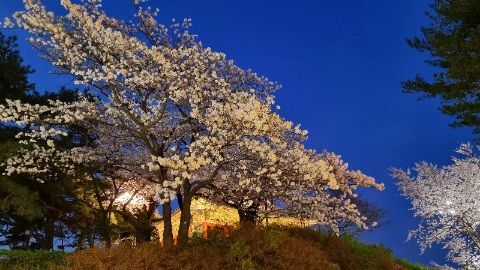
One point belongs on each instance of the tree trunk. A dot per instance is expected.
(91, 239)
(180, 200)
(81, 238)
(186, 214)
(26, 243)
(105, 231)
(49, 233)
(247, 217)
(167, 237)
(108, 237)
(185, 219)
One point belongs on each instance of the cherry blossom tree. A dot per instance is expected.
(446, 199)
(170, 112)
(166, 92)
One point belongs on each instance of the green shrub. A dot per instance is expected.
(30, 260)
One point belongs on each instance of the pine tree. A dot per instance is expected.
(453, 42)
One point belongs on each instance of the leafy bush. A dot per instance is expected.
(30, 260)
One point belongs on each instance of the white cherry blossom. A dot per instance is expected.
(446, 199)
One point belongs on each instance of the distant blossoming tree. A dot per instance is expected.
(446, 199)
(171, 112)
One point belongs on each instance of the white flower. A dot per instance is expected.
(7, 23)
(50, 143)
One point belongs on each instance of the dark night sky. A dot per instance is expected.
(340, 63)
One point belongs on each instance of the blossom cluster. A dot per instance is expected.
(446, 200)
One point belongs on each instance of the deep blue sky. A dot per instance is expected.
(340, 63)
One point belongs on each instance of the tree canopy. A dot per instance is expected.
(453, 43)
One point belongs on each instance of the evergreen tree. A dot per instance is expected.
(19, 205)
(14, 82)
(453, 42)
(33, 213)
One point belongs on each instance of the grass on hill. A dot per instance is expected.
(243, 248)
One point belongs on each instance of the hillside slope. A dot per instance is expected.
(248, 248)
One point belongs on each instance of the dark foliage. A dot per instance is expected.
(453, 42)
(13, 73)
(38, 260)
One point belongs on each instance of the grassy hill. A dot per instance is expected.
(243, 248)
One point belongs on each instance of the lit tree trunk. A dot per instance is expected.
(167, 234)
(186, 215)
(26, 243)
(266, 213)
(167, 237)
